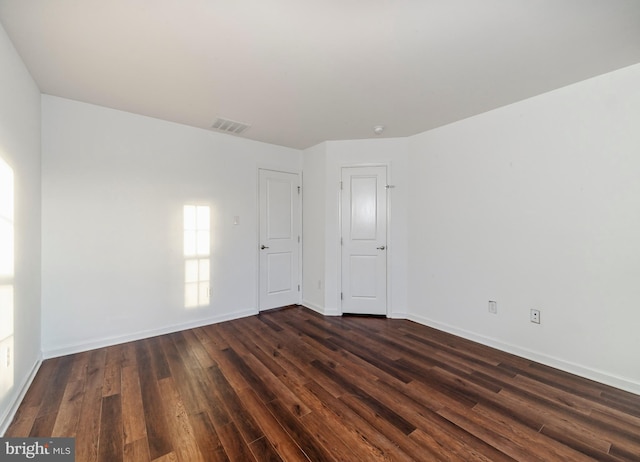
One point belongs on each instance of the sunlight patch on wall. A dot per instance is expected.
(197, 248)
(6, 220)
(6, 277)
(6, 339)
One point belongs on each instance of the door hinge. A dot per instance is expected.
(341, 185)
(298, 287)
(299, 189)
(341, 296)
(298, 239)
(341, 243)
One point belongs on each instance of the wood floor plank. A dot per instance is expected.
(45, 421)
(213, 403)
(250, 376)
(133, 420)
(305, 440)
(547, 448)
(384, 448)
(284, 444)
(386, 427)
(207, 437)
(328, 438)
(95, 369)
(577, 441)
(179, 428)
(113, 369)
(80, 365)
(251, 348)
(69, 412)
(110, 446)
(323, 413)
(238, 413)
(152, 403)
(263, 451)
(88, 431)
(170, 457)
(194, 345)
(272, 345)
(180, 365)
(292, 385)
(254, 359)
(136, 451)
(612, 425)
(501, 447)
(235, 447)
(159, 363)
(210, 335)
(376, 406)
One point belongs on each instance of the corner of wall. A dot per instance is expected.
(7, 417)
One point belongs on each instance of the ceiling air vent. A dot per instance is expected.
(229, 126)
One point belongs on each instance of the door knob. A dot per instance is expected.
(262, 247)
(382, 247)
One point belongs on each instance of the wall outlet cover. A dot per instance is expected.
(535, 316)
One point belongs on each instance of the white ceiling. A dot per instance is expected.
(301, 72)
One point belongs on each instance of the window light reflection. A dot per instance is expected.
(197, 248)
(6, 277)
(6, 220)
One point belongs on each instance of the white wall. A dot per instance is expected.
(114, 185)
(313, 227)
(20, 151)
(536, 205)
(325, 213)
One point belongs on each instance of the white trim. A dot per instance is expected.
(567, 366)
(390, 249)
(319, 309)
(115, 340)
(8, 417)
(339, 241)
(398, 315)
(301, 241)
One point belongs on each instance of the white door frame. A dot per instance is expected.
(389, 235)
(299, 220)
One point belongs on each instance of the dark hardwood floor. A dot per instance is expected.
(292, 385)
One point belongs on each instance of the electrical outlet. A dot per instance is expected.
(535, 316)
(493, 307)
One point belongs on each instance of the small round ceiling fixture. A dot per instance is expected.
(378, 129)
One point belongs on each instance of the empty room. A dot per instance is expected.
(456, 276)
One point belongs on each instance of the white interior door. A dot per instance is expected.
(279, 244)
(364, 240)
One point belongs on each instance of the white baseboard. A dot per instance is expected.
(397, 315)
(7, 417)
(319, 309)
(115, 340)
(577, 369)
